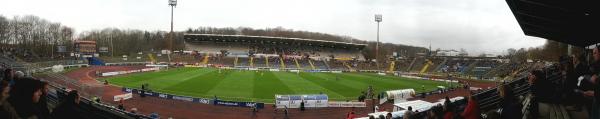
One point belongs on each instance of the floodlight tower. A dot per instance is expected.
(172, 3)
(378, 19)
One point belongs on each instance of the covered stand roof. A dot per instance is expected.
(268, 39)
(573, 22)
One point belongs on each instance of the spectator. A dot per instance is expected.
(448, 109)
(581, 70)
(540, 86)
(120, 106)
(511, 108)
(574, 88)
(25, 96)
(431, 113)
(19, 75)
(409, 113)
(351, 115)
(69, 108)
(472, 109)
(9, 75)
(42, 106)
(6, 110)
(447, 101)
(388, 116)
(595, 70)
(536, 79)
(438, 110)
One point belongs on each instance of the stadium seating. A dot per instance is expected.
(57, 93)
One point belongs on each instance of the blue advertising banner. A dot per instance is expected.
(168, 96)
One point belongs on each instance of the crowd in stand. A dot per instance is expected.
(571, 83)
(26, 98)
(574, 86)
(287, 50)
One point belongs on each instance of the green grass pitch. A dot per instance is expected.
(242, 85)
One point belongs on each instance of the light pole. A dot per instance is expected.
(112, 46)
(378, 19)
(172, 3)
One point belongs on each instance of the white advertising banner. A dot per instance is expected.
(130, 71)
(294, 101)
(123, 96)
(346, 104)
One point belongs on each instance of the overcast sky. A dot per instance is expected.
(480, 26)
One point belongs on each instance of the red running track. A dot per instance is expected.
(187, 110)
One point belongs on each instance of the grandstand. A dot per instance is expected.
(262, 50)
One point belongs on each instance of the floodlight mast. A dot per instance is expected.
(172, 3)
(378, 19)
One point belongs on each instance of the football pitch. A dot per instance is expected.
(262, 86)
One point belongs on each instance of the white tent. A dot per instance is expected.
(415, 104)
(58, 68)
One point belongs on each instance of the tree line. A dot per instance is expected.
(550, 51)
(130, 42)
(34, 34)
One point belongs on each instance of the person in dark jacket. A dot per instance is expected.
(121, 107)
(25, 96)
(511, 108)
(576, 88)
(7, 111)
(595, 71)
(42, 105)
(9, 75)
(69, 108)
(448, 109)
(538, 84)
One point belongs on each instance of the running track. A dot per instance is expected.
(186, 110)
